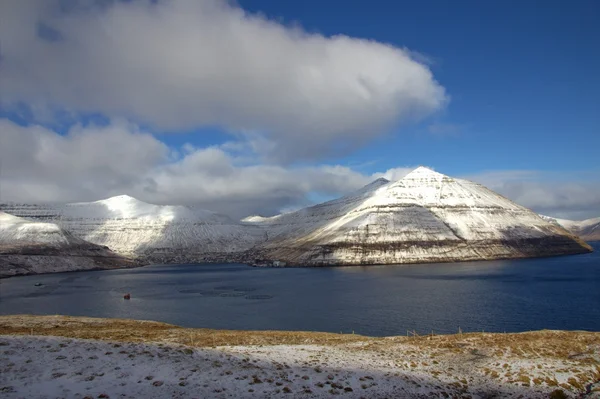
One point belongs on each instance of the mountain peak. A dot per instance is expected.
(122, 205)
(381, 180)
(423, 172)
(121, 200)
(122, 197)
(375, 183)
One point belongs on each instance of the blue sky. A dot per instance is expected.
(277, 104)
(522, 76)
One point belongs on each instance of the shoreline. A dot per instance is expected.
(231, 363)
(294, 266)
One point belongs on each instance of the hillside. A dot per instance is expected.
(424, 217)
(77, 357)
(151, 233)
(28, 247)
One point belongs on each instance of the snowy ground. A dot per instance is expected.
(33, 366)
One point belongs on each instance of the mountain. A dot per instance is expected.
(588, 229)
(424, 217)
(150, 233)
(28, 247)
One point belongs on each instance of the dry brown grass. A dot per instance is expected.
(556, 362)
(150, 331)
(583, 346)
(580, 345)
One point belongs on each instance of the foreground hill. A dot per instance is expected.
(28, 247)
(57, 356)
(424, 217)
(588, 229)
(151, 233)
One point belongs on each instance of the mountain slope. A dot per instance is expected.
(588, 229)
(424, 217)
(151, 233)
(28, 247)
(303, 221)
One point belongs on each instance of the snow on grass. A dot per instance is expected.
(48, 367)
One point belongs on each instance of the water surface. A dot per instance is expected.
(511, 296)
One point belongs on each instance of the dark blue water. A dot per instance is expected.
(519, 295)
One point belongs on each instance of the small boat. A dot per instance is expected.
(38, 284)
(126, 296)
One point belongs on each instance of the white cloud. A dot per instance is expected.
(187, 63)
(39, 164)
(90, 163)
(394, 174)
(570, 196)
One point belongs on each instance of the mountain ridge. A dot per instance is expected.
(153, 233)
(424, 217)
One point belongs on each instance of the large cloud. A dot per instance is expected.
(39, 164)
(90, 163)
(181, 64)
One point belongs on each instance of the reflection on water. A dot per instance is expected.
(550, 293)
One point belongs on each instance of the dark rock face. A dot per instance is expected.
(14, 262)
(412, 252)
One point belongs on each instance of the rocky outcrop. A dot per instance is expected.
(28, 247)
(424, 217)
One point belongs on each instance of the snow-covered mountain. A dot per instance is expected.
(293, 224)
(588, 229)
(28, 247)
(152, 233)
(424, 217)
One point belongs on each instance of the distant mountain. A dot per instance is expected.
(28, 247)
(588, 230)
(151, 233)
(424, 217)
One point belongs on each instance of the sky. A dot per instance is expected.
(261, 107)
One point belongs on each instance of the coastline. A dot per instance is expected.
(69, 355)
(134, 263)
